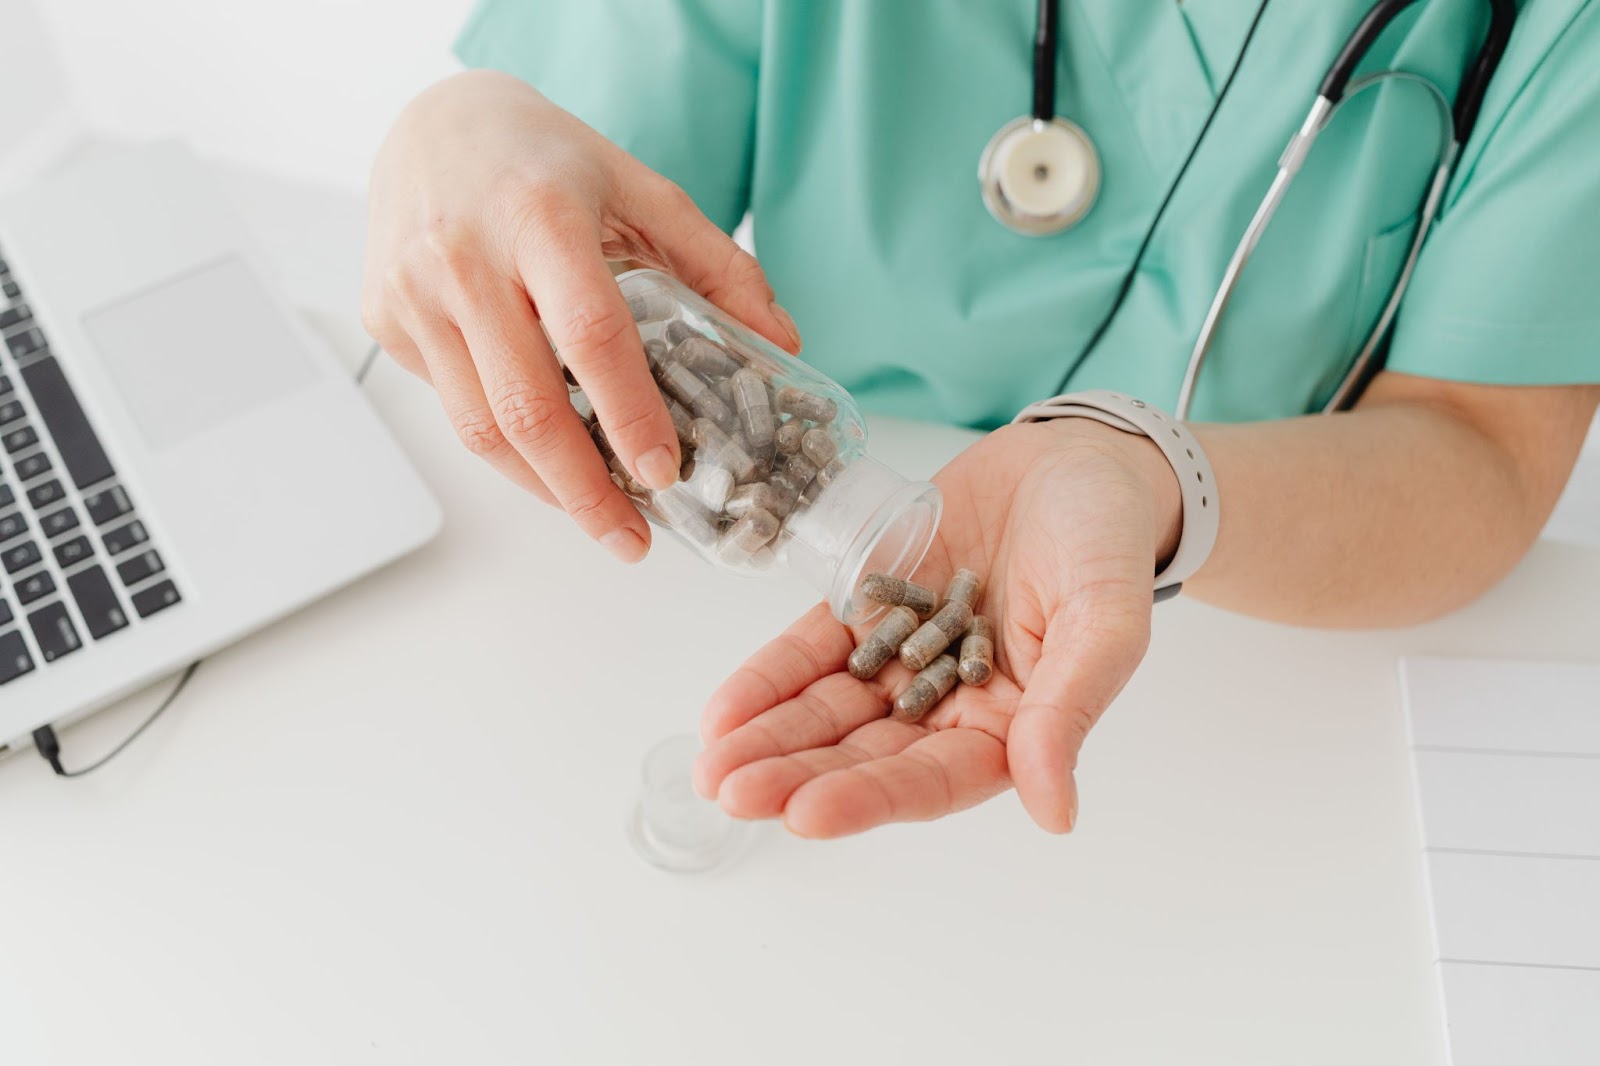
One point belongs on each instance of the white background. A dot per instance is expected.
(304, 88)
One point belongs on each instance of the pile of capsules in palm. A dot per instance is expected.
(922, 630)
(756, 447)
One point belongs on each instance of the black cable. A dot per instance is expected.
(45, 738)
(1149, 236)
(1045, 35)
(49, 745)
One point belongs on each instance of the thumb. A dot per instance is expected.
(1085, 661)
(711, 263)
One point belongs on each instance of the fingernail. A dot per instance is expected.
(1072, 811)
(625, 544)
(785, 320)
(658, 469)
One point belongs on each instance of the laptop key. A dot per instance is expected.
(32, 466)
(73, 552)
(10, 411)
(122, 538)
(61, 413)
(5, 613)
(21, 557)
(53, 631)
(11, 289)
(14, 658)
(105, 506)
(58, 522)
(42, 496)
(140, 567)
(7, 497)
(14, 316)
(156, 598)
(6, 388)
(97, 602)
(18, 439)
(25, 343)
(12, 525)
(35, 587)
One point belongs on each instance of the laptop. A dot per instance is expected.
(181, 461)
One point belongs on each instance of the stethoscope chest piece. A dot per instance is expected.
(1039, 177)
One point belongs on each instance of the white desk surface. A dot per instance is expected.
(389, 829)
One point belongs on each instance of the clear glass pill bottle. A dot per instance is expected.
(776, 475)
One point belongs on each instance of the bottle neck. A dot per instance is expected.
(868, 519)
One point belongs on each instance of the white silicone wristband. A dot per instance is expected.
(1196, 484)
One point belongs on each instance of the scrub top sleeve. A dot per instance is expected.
(671, 81)
(1507, 289)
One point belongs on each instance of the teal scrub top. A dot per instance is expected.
(851, 132)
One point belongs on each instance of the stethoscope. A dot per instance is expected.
(1040, 174)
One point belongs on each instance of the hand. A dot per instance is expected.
(492, 211)
(1067, 520)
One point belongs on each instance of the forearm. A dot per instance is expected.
(1399, 511)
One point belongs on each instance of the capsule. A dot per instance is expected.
(682, 513)
(681, 422)
(965, 588)
(711, 484)
(803, 404)
(896, 592)
(689, 389)
(655, 353)
(714, 447)
(679, 331)
(826, 475)
(977, 652)
(705, 357)
(801, 471)
(747, 536)
(874, 653)
(756, 496)
(936, 634)
(819, 446)
(927, 688)
(754, 406)
(789, 436)
(652, 305)
(787, 491)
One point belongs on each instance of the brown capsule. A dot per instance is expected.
(936, 634)
(965, 588)
(753, 403)
(756, 496)
(897, 592)
(789, 436)
(801, 471)
(747, 536)
(706, 358)
(802, 404)
(681, 422)
(572, 382)
(819, 446)
(874, 653)
(655, 353)
(714, 447)
(927, 688)
(787, 491)
(977, 652)
(711, 484)
(652, 305)
(826, 475)
(690, 389)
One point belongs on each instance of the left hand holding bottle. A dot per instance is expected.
(1066, 521)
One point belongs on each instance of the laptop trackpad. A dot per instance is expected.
(195, 352)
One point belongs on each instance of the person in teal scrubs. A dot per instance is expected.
(610, 131)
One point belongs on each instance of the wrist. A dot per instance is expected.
(1149, 468)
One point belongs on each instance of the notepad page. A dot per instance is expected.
(1576, 519)
(1507, 763)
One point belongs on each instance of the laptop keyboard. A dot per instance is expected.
(76, 562)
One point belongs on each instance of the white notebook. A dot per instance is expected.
(1507, 760)
(1577, 516)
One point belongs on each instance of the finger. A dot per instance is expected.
(812, 648)
(710, 262)
(823, 714)
(942, 773)
(404, 352)
(1081, 669)
(760, 789)
(527, 408)
(449, 367)
(589, 323)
